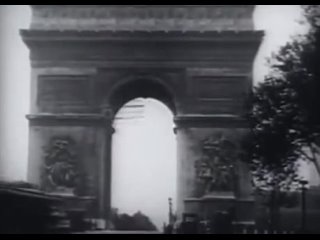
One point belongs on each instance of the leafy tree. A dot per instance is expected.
(137, 221)
(285, 114)
(142, 222)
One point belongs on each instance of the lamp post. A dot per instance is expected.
(170, 211)
(303, 204)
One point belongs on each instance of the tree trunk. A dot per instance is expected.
(274, 210)
(271, 212)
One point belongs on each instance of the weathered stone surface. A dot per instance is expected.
(87, 61)
(143, 17)
(189, 151)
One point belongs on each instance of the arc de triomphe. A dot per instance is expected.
(89, 60)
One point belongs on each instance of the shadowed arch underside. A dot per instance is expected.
(141, 88)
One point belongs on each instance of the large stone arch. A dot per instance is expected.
(145, 86)
(200, 61)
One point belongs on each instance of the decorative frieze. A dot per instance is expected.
(143, 17)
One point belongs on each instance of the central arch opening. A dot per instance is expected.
(144, 160)
(144, 164)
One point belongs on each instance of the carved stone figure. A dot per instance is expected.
(60, 164)
(216, 167)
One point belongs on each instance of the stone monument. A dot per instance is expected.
(89, 60)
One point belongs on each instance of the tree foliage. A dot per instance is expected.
(137, 221)
(285, 110)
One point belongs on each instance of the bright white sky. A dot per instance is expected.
(144, 148)
(144, 162)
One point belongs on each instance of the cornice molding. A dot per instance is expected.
(90, 35)
(69, 119)
(210, 121)
(181, 121)
(36, 37)
(146, 48)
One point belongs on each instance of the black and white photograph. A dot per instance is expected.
(160, 119)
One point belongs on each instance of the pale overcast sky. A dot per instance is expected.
(147, 147)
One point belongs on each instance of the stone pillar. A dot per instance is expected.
(191, 132)
(104, 172)
(185, 161)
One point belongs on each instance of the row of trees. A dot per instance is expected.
(285, 113)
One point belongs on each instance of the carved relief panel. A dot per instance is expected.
(61, 165)
(216, 168)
